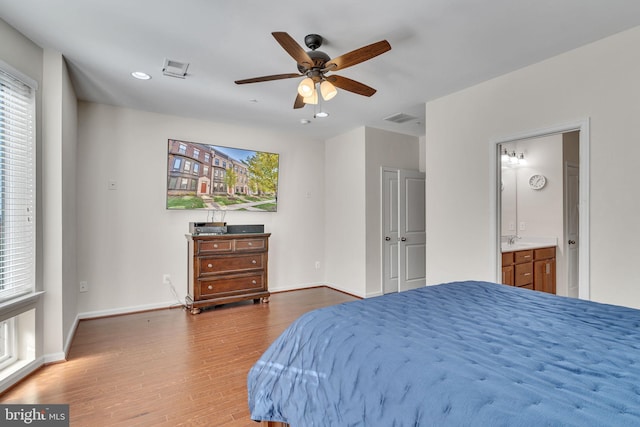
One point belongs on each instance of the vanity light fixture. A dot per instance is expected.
(512, 158)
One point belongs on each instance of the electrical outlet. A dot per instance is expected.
(166, 279)
(84, 286)
(523, 226)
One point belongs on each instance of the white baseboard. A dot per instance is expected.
(126, 310)
(54, 357)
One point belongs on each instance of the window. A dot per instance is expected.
(176, 163)
(205, 171)
(217, 162)
(17, 187)
(207, 157)
(196, 168)
(182, 149)
(224, 165)
(183, 183)
(187, 165)
(196, 153)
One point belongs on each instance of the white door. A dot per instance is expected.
(412, 228)
(390, 225)
(403, 222)
(572, 221)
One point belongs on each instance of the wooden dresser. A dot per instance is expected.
(226, 268)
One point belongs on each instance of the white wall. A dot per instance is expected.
(345, 210)
(598, 81)
(127, 239)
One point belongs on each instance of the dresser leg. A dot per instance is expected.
(195, 310)
(264, 300)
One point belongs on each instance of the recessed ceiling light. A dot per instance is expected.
(140, 75)
(305, 121)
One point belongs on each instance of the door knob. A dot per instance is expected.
(572, 242)
(387, 238)
(404, 239)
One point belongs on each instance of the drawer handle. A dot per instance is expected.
(253, 282)
(210, 265)
(253, 261)
(210, 287)
(527, 274)
(215, 245)
(527, 256)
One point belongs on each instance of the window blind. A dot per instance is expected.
(17, 187)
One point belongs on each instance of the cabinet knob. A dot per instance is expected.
(250, 244)
(253, 282)
(215, 245)
(253, 261)
(210, 287)
(210, 265)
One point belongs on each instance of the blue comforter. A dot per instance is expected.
(457, 354)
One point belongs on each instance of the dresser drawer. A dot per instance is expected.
(524, 274)
(215, 246)
(226, 264)
(250, 245)
(227, 285)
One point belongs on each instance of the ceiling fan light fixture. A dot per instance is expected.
(311, 99)
(327, 90)
(306, 87)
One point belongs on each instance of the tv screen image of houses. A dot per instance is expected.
(204, 176)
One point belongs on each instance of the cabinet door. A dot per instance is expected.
(545, 276)
(507, 275)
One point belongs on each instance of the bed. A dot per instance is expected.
(457, 354)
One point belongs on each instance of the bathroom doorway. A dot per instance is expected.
(542, 199)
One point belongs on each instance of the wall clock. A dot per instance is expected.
(537, 181)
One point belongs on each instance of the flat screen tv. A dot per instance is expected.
(213, 177)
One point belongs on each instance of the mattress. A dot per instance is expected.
(457, 354)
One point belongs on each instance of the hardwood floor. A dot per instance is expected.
(167, 367)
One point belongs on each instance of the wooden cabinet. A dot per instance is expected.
(226, 268)
(507, 269)
(544, 270)
(532, 269)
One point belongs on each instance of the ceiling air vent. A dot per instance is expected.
(173, 68)
(400, 118)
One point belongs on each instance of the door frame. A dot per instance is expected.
(583, 126)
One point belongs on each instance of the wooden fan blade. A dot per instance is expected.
(359, 55)
(293, 48)
(351, 85)
(268, 78)
(299, 103)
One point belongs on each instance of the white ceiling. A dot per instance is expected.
(438, 47)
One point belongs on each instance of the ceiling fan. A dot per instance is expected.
(314, 66)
